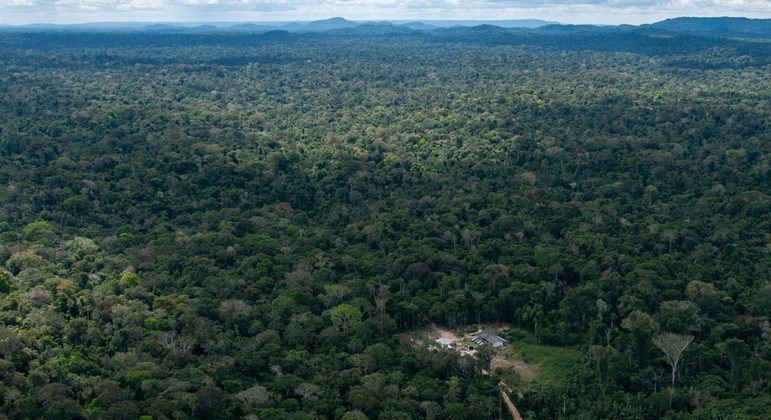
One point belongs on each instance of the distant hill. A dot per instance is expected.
(418, 26)
(485, 33)
(374, 29)
(726, 25)
(160, 27)
(511, 23)
(250, 27)
(321, 25)
(493, 31)
(567, 29)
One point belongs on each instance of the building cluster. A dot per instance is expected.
(465, 346)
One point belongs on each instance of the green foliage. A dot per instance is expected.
(554, 364)
(74, 204)
(345, 317)
(39, 228)
(6, 283)
(129, 279)
(135, 377)
(233, 225)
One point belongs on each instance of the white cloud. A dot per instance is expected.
(141, 4)
(17, 3)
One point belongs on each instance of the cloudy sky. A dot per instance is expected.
(569, 11)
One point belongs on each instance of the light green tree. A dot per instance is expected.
(345, 316)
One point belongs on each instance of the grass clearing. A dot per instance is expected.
(553, 364)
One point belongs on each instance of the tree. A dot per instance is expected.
(601, 355)
(64, 409)
(430, 409)
(495, 274)
(355, 415)
(39, 228)
(455, 411)
(308, 391)
(5, 281)
(642, 326)
(679, 316)
(253, 398)
(129, 279)
(380, 296)
(211, 402)
(738, 355)
(673, 346)
(345, 316)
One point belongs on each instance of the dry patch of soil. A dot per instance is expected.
(525, 371)
(445, 333)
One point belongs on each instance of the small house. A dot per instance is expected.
(489, 339)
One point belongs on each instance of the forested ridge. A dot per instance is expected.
(241, 225)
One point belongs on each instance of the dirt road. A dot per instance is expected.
(512, 409)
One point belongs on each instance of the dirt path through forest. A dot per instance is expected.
(525, 371)
(512, 408)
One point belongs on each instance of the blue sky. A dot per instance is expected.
(569, 11)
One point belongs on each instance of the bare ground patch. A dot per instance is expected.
(445, 333)
(525, 371)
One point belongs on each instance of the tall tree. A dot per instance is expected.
(673, 346)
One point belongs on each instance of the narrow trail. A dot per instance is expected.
(512, 408)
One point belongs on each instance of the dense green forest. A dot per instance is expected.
(252, 225)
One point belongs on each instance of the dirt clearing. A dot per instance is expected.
(525, 371)
(445, 333)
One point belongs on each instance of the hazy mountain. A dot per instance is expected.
(321, 25)
(728, 27)
(511, 23)
(419, 26)
(375, 28)
(254, 27)
(564, 28)
(720, 25)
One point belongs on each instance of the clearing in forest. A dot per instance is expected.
(524, 370)
(530, 361)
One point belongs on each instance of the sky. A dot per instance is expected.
(17, 12)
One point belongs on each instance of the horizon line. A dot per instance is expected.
(400, 20)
